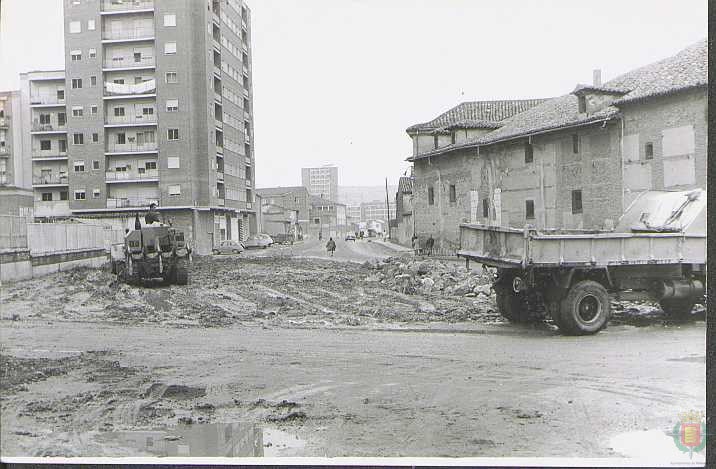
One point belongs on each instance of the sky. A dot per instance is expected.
(339, 81)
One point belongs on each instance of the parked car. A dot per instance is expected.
(282, 238)
(228, 247)
(258, 241)
(350, 237)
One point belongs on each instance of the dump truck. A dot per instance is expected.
(152, 252)
(656, 252)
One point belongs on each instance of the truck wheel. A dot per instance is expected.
(511, 305)
(677, 308)
(585, 310)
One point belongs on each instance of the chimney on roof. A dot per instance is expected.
(597, 77)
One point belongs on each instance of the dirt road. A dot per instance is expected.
(327, 361)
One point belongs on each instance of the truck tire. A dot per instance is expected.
(585, 310)
(181, 273)
(677, 308)
(511, 306)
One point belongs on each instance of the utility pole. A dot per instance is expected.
(387, 205)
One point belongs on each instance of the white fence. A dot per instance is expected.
(13, 232)
(52, 238)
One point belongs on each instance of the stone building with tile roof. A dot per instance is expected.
(574, 161)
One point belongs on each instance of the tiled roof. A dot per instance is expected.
(687, 69)
(477, 114)
(598, 89)
(275, 191)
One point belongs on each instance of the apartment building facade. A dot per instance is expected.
(377, 210)
(15, 172)
(321, 181)
(154, 106)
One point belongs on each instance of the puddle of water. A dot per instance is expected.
(653, 445)
(237, 439)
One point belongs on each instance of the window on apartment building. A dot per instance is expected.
(172, 105)
(77, 111)
(485, 208)
(63, 195)
(150, 164)
(95, 137)
(80, 195)
(78, 139)
(95, 194)
(171, 77)
(63, 146)
(170, 48)
(92, 53)
(577, 201)
(61, 119)
(172, 134)
(170, 20)
(76, 83)
(174, 189)
(95, 164)
(649, 151)
(529, 153)
(431, 196)
(93, 81)
(453, 195)
(119, 111)
(90, 25)
(61, 95)
(138, 80)
(75, 27)
(529, 209)
(575, 143)
(44, 119)
(582, 104)
(79, 166)
(121, 138)
(47, 196)
(147, 111)
(94, 109)
(76, 55)
(118, 81)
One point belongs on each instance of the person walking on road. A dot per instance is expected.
(416, 244)
(331, 247)
(429, 245)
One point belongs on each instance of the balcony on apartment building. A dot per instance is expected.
(46, 101)
(110, 7)
(145, 89)
(128, 63)
(128, 35)
(128, 148)
(48, 155)
(149, 175)
(38, 128)
(54, 208)
(50, 180)
(130, 120)
(131, 202)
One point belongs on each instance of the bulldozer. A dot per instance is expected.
(152, 252)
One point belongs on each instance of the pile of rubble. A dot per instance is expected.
(429, 277)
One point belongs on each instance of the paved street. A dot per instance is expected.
(324, 370)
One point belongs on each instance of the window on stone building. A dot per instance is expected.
(172, 134)
(431, 196)
(575, 143)
(47, 196)
(577, 201)
(529, 209)
(79, 166)
(45, 145)
(485, 208)
(78, 139)
(582, 103)
(63, 195)
(649, 151)
(453, 194)
(76, 83)
(529, 153)
(80, 195)
(95, 137)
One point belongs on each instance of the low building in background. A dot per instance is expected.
(293, 198)
(280, 223)
(404, 211)
(328, 218)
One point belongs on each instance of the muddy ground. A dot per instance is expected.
(328, 357)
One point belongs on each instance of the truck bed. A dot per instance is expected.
(510, 247)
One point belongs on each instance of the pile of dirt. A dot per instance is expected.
(429, 277)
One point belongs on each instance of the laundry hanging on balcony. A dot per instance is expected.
(137, 88)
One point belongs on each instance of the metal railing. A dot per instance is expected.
(46, 100)
(125, 202)
(37, 127)
(121, 89)
(131, 175)
(48, 153)
(130, 147)
(138, 33)
(129, 62)
(143, 119)
(121, 5)
(49, 180)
